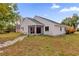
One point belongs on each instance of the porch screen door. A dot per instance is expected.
(32, 30)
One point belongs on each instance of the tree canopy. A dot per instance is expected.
(8, 16)
(71, 21)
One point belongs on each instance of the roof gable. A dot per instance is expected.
(33, 20)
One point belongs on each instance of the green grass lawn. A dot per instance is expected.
(45, 46)
(8, 36)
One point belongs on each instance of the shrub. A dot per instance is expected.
(70, 30)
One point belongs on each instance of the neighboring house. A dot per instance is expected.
(40, 25)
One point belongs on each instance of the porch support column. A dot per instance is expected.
(35, 29)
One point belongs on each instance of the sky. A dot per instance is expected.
(53, 11)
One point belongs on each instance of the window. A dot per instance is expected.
(47, 28)
(60, 28)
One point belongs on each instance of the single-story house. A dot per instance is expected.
(40, 25)
(77, 25)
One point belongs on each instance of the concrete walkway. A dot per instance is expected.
(11, 42)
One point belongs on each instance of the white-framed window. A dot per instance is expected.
(47, 28)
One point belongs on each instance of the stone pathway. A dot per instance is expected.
(11, 42)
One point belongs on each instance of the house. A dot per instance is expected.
(40, 25)
(77, 28)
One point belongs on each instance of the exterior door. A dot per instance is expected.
(38, 30)
(31, 29)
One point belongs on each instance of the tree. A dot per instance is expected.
(8, 15)
(71, 21)
(74, 20)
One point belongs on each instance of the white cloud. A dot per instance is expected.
(69, 9)
(55, 6)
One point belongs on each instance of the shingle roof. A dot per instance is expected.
(59, 24)
(35, 21)
(47, 19)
